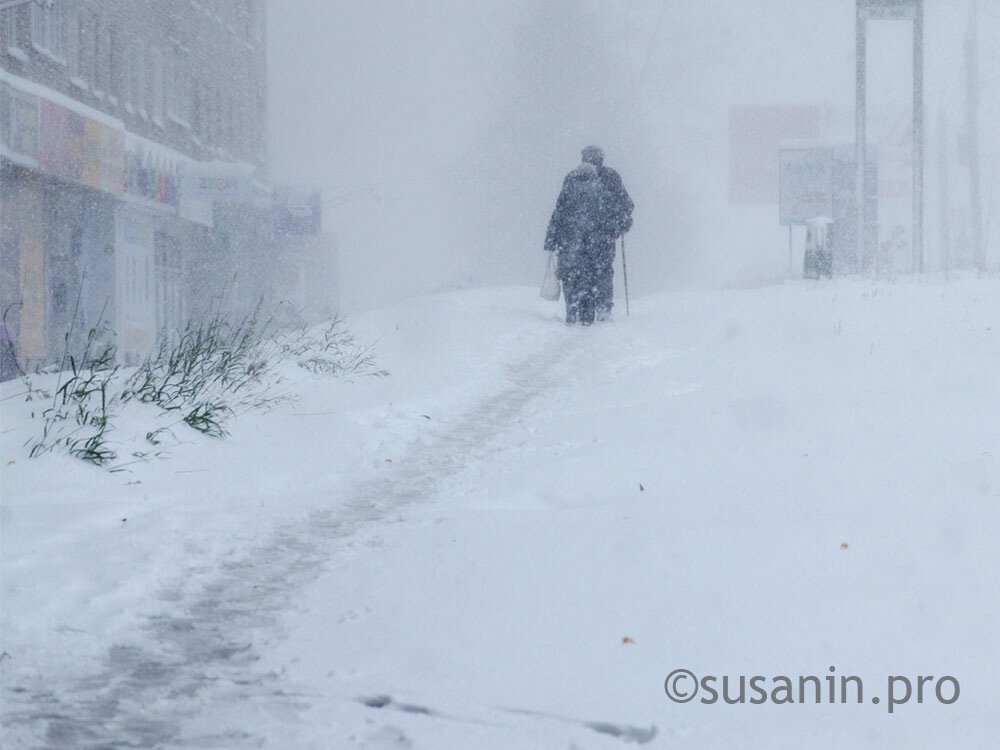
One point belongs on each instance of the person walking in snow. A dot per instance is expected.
(593, 210)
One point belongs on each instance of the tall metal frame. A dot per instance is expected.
(891, 10)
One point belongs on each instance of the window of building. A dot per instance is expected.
(100, 74)
(239, 134)
(48, 28)
(154, 83)
(205, 106)
(169, 283)
(135, 73)
(9, 20)
(116, 77)
(218, 137)
(169, 91)
(10, 280)
(127, 65)
(82, 25)
(257, 20)
(73, 42)
(179, 85)
(196, 98)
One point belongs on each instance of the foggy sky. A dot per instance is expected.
(440, 130)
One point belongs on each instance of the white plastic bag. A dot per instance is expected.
(550, 285)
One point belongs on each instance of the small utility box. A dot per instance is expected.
(819, 248)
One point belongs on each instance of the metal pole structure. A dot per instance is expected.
(989, 211)
(972, 133)
(790, 264)
(625, 276)
(918, 138)
(944, 207)
(860, 41)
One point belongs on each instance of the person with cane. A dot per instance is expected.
(593, 210)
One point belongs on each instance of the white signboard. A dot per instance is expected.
(887, 10)
(805, 180)
(217, 182)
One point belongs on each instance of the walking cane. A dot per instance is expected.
(625, 275)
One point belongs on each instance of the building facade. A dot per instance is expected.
(133, 169)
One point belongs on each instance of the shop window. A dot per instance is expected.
(76, 243)
(169, 284)
(59, 298)
(10, 279)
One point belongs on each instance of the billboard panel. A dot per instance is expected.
(756, 134)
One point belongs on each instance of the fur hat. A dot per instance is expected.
(593, 155)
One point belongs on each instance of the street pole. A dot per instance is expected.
(890, 10)
(918, 138)
(860, 41)
(944, 205)
(625, 276)
(791, 266)
(972, 133)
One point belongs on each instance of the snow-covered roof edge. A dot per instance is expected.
(44, 92)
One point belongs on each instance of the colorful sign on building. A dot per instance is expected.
(151, 177)
(219, 182)
(103, 157)
(60, 141)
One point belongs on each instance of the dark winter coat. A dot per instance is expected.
(592, 211)
(618, 203)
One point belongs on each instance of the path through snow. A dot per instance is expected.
(203, 640)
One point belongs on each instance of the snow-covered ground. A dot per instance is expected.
(512, 540)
